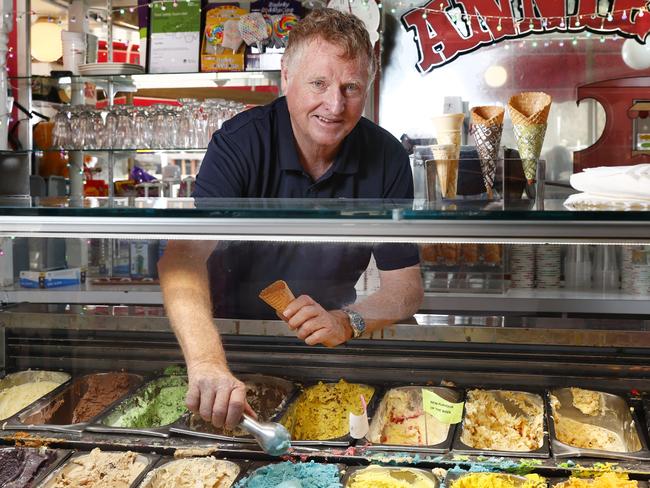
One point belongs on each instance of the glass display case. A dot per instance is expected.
(570, 318)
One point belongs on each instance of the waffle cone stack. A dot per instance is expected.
(486, 129)
(446, 159)
(529, 113)
(277, 295)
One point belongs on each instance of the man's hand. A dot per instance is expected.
(216, 395)
(315, 325)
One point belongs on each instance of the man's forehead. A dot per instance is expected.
(309, 59)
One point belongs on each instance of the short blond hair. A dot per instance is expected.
(344, 30)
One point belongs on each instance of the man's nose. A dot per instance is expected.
(335, 100)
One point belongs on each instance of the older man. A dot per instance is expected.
(312, 143)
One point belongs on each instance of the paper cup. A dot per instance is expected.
(74, 50)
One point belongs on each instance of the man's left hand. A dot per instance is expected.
(315, 325)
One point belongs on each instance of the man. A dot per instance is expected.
(311, 144)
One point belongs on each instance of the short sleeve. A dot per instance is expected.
(223, 172)
(398, 186)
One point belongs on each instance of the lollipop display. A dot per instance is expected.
(486, 129)
(213, 37)
(282, 25)
(232, 39)
(529, 114)
(253, 29)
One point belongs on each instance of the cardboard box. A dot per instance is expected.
(214, 57)
(53, 278)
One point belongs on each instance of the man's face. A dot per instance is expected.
(325, 93)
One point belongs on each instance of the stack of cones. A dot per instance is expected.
(277, 295)
(446, 159)
(529, 114)
(447, 152)
(486, 128)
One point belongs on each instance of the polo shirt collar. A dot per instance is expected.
(346, 162)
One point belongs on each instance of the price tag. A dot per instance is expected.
(445, 411)
(359, 425)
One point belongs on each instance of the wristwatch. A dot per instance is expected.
(356, 322)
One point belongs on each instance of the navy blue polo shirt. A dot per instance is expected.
(254, 155)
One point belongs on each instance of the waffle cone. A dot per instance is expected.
(277, 295)
(447, 170)
(487, 139)
(529, 108)
(530, 139)
(446, 158)
(487, 115)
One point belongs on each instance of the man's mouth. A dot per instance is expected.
(325, 120)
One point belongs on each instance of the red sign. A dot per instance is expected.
(446, 29)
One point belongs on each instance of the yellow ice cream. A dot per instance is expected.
(587, 436)
(193, 473)
(499, 480)
(489, 425)
(15, 398)
(379, 477)
(588, 402)
(322, 411)
(606, 480)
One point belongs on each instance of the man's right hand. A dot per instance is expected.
(216, 395)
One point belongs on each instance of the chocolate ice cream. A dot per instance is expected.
(266, 396)
(19, 467)
(84, 399)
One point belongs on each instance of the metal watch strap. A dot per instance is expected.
(356, 322)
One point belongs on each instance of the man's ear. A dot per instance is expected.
(283, 75)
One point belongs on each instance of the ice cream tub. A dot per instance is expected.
(604, 480)
(74, 407)
(267, 395)
(26, 467)
(456, 479)
(192, 472)
(113, 468)
(400, 422)
(18, 390)
(289, 474)
(587, 423)
(150, 410)
(319, 415)
(503, 423)
(371, 476)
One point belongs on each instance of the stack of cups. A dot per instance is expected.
(577, 268)
(522, 266)
(447, 152)
(74, 50)
(635, 270)
(547, 264)
(605, 271)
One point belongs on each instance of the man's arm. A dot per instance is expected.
(399, 296)
(213, 391)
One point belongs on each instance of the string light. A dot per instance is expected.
(624, 16)
(499, 26)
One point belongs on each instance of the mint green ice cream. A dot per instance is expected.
(160, 402)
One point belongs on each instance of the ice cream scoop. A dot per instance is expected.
(272, 437)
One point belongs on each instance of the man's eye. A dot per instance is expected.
(352, 88)
(318, 84)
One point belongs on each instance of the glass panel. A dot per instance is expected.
(276, 208)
